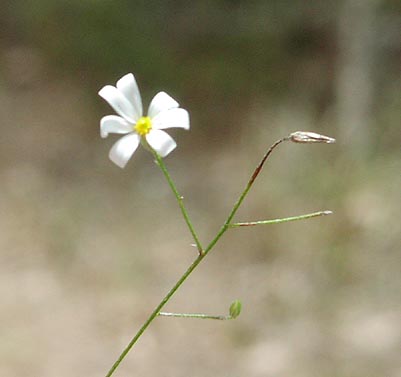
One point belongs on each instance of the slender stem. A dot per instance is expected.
(155, 312)
(244, 194)
(252, 180)
(180, 200)
(283, 220)
(202, 252)
(196, 315)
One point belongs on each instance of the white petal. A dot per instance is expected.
(161, 102)
(161, 142)
(119, 103)
(114, 124)
(171, 118)
(123, 149)
(129, 88)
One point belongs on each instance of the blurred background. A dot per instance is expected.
(87, 249)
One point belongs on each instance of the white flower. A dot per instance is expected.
(163, 113)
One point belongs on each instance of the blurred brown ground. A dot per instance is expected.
(87, 250)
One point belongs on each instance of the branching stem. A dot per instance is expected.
(202, 252)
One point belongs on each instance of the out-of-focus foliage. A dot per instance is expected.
(87, 248)
(216, 50)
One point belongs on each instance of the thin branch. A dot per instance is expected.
(196, 315)
(180, 200)
(283, 220)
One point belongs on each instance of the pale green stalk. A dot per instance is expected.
(196, 315)
(202, 252)
(154, 314)
(180, 200)
(283, 220)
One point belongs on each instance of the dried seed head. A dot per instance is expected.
(310, 137)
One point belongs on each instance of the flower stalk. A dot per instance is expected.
(180, 200)
(235, 307)
(196, 315)
(234, 312)
(282, 220)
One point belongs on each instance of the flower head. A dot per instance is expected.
(163, 112)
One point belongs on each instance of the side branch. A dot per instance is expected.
(196, 315)
(265, 157)
(283, 220)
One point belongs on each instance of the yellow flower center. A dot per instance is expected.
(143, 126)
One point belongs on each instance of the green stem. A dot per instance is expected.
(234, 210)
(180, 200)
(283, 220)
(202, 252)
(196, 315)
(155, 313)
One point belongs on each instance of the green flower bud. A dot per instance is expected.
(235, 309)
